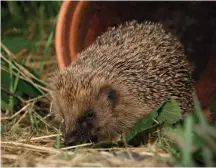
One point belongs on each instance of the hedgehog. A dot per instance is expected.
(120, 78)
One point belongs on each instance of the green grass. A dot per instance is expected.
(30, 23)
(195, 140)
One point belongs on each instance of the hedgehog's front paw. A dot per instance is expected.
(116, 139)
(111, 139)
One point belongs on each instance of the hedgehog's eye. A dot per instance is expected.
(89, 114)
(111, 94)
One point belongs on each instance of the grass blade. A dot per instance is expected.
(188, 141)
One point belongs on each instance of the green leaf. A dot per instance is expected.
(16, 44)
(24, 89)
(142, 127)
(145, 122)
(170, 112)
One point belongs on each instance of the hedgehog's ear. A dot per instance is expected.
(111, 94)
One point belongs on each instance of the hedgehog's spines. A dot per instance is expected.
(143, 62)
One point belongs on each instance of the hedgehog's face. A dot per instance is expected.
(89, 115)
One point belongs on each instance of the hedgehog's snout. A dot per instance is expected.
(75, 139)
(70, 139)
(79, 136)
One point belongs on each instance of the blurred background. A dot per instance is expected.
(27, 30)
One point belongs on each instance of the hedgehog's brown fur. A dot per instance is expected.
(124, 75)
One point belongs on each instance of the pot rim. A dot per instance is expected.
(59, 34)
(76, 27)
(66, 45)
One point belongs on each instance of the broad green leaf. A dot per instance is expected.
(170, 112)
(145, 123)
(145, 126)
(24, 89)
(16, 44)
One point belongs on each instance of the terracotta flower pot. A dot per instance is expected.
(81, 22)
(67, 31)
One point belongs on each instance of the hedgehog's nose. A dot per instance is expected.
(70, 140)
